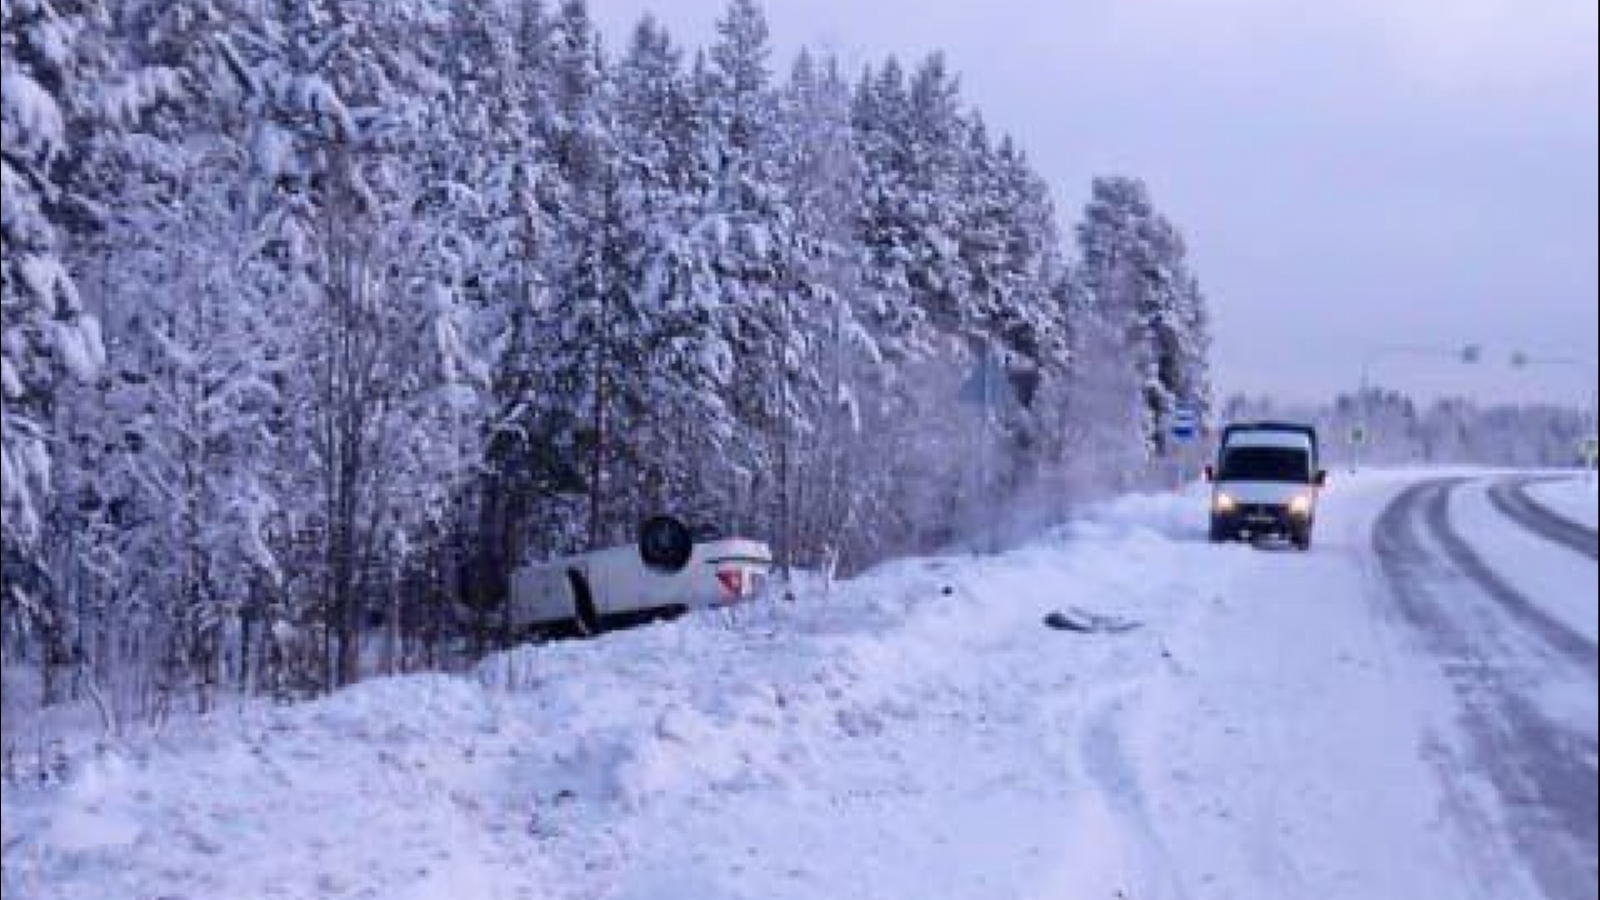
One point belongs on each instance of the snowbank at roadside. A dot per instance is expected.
(1551, 577)
(563, 769)
(1576, 499)
(912, 732)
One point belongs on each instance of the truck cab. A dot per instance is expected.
(1265, 483)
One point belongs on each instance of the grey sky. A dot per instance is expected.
(1348, 174)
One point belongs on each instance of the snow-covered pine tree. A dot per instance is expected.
(587, 322)
(1175, 320)
(829, 352)
(485, 170)
(1134, 274)
(936, 147)
(1012, 249)
(879, 114)
(932, 261)
(679, 422)
(179, 498)
(1115, 263)
(54, 75)
(382, 377)
(749, 222)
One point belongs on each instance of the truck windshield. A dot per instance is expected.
(1265, 464)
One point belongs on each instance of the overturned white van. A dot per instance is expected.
(671, 569)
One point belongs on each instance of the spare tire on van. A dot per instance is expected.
(665, 543)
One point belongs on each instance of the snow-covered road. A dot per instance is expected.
(1574, 498)
(1517, 642)
(1408, 711)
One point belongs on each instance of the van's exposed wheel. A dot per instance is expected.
(586, 618)
(665, 543)
(1302, 539)
(1218, 533)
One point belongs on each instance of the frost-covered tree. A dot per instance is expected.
(55, 79)
(586, 320)
(829, 355)
(679, 422)
(748, 219)
(382, 377)
(1133, 274)
(1013, 253)
(485, 172)
(963, 268)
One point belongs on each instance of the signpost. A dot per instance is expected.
(1470, 354)
(1587, 446)
(1185, 426)
(987, 387)
(1357, 438)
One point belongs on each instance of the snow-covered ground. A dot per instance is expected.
(1269, 731)
(1576, 498)
(1561, 583)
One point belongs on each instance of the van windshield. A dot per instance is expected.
(1266, 464)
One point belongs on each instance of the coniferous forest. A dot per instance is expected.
(320, 316)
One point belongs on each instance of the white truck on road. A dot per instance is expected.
(1265, 483)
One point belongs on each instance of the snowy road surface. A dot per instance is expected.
(1408, 711)
(1511, 497)
(1573, 498)
(1523, 667)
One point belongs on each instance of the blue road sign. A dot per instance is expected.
(1185, 425)
(988, 385)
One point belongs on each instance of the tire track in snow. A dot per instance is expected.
(1569, 644)
(1408, 566)
(1149, 872)
(1542, 772)
(1511, 498)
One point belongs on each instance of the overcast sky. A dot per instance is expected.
(1348, 174)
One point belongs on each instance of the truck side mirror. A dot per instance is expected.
(1210, 472)
(1321, 478)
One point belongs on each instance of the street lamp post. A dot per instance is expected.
(1469, 354)
(1590, 367)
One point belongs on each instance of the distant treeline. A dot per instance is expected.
(1394, 429)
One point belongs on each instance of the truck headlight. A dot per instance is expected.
(1223, 503)
(1300, 505)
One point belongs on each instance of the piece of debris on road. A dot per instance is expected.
(1075, 619)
